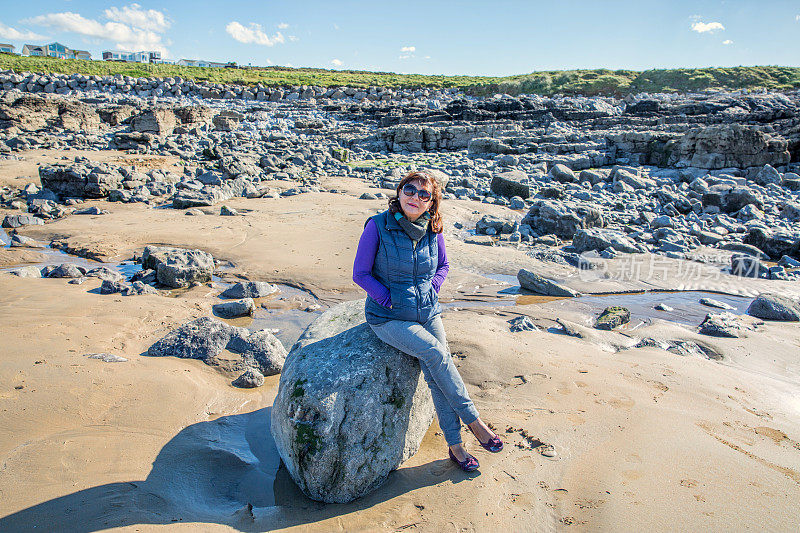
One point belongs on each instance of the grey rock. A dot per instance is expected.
(17, 221)
(522, 323)
(774, 307)
(548, 217)
(234, 308)
(160, 121)
(601, 239)
(768, 175)
(710, 302)
(510, 184)
(535, 283)
(562, 173)
(205, 338)
(250, 379)
(349, 408)
(67, 270)
(721, 325)
(21, 241)
(663, 307)
(105, 273)
(250, 289)
(259, 349)
(27, 272)
(228, 211)
(178, 267)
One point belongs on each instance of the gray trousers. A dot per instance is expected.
(427, 342)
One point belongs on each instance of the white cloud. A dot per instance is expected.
(727, 41)
(7, 32)
(137, 17)
(797, 17)
(252, 34)
(283, 26)
(409, 49)
(126, 36)
(706, 27)
(294, 38)
(337, 62)
(336, 27)
(426, 57)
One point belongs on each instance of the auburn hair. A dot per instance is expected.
(436, 197)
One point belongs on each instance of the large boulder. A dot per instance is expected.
(205, 338)
(178, 267)
(547, 217)
(774, 307)
(349, 409)
(511, 183)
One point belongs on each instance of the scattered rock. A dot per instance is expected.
(250, 289)
(613, 317)
(106, 357)
(535, 283)
(522, 323)
(710, 302)
(234, 308)
(178, 267)
(721, 325)
(250, 379)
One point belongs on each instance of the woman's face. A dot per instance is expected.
(413, 206)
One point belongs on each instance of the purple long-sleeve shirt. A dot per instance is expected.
(365, 258)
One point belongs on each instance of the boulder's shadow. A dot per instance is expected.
(224, 471)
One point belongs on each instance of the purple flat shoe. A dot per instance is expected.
(493, 445)
(469, 465)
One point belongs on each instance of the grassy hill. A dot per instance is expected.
(568, 82)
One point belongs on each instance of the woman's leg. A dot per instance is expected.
(478, 426)
(451, 403)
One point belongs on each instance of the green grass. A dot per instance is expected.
(567, 82)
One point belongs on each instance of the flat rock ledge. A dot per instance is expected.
(349, 410)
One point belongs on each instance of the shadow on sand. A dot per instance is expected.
(225, 471)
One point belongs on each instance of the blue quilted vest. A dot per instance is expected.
(407, 271)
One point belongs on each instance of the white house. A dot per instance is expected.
(132, 57)
(7, 48)
(201, 63)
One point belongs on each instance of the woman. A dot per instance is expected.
(401, 263)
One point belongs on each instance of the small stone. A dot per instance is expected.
(106, 357)
(250, 379)
(235, 308)
(522, 323)
(613, 317)
(663, 307)
(710, 302)
(250, 289)
(228, 211)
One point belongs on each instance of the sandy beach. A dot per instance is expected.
(646, 439)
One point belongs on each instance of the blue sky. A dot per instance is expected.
(428, 37)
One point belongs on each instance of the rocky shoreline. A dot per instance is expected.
(552, 202)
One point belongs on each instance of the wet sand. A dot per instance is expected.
(646, 439)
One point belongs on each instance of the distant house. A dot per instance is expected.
(54, 50)
(132, 57)
(7, 48)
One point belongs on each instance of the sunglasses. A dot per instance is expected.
(409, 190)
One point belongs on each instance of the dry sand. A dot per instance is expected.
(646, 439)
